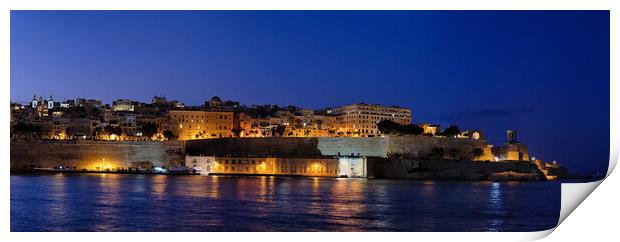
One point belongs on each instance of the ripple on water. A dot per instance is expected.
(198, 203)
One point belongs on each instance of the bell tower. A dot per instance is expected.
(511, 136)
(50, 102)
(34, 102)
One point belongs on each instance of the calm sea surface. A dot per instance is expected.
(111, 202)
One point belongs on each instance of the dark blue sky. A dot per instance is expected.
(543, 73)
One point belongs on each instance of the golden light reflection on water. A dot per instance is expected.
(199, 187)
(264, 197)
(214, 191)
(108, 202)
(159, 185)
(428, 188)
(242, 189)
(262, 189)
(59, 195)
(349, 198)
(315, 186)
(315, 199)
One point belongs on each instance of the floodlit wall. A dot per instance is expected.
(322, 167)
(405, 147)
(84, 154)
(352, 167)
(347, 146)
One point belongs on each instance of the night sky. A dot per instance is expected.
(543, 73)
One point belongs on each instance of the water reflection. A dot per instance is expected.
(494, 206)
(347, 203)
(158, 185)
(242, 189)
(214, 187)
(315, 207)
(59, 207)
(428, 188)
(382, 206)
(201, 190)
(108, 201)
(201, 203)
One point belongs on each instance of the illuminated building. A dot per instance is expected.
(430, 129)
(361, 119)
(123, 105)
(215, 103)
(471, 134)
(323, 167)
(81, 127)
(197, 124)
(512, 150)
(551, 170)
(126, 121)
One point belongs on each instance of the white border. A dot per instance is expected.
(567, 190)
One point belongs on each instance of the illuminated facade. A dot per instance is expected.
(256, 127)
(123, 105)
(310, 125)
(360, 120)
(195, 124)
(551, 170)
(430, 129)
(512, 150)
(319, 167)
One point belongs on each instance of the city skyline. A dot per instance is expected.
(482, 70)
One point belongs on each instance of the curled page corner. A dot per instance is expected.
(574, 194)
(537, 235)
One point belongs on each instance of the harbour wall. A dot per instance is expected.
(385, 157)
(415, 147)
(86, 154)
(453, 170)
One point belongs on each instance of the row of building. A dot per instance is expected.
(161, 119)
(165, 120)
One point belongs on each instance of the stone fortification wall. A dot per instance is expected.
(421, 147)
(264, 147)
(90, 154)
(405, 147)
(457, 170)
(415, 147)
(374, 146)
